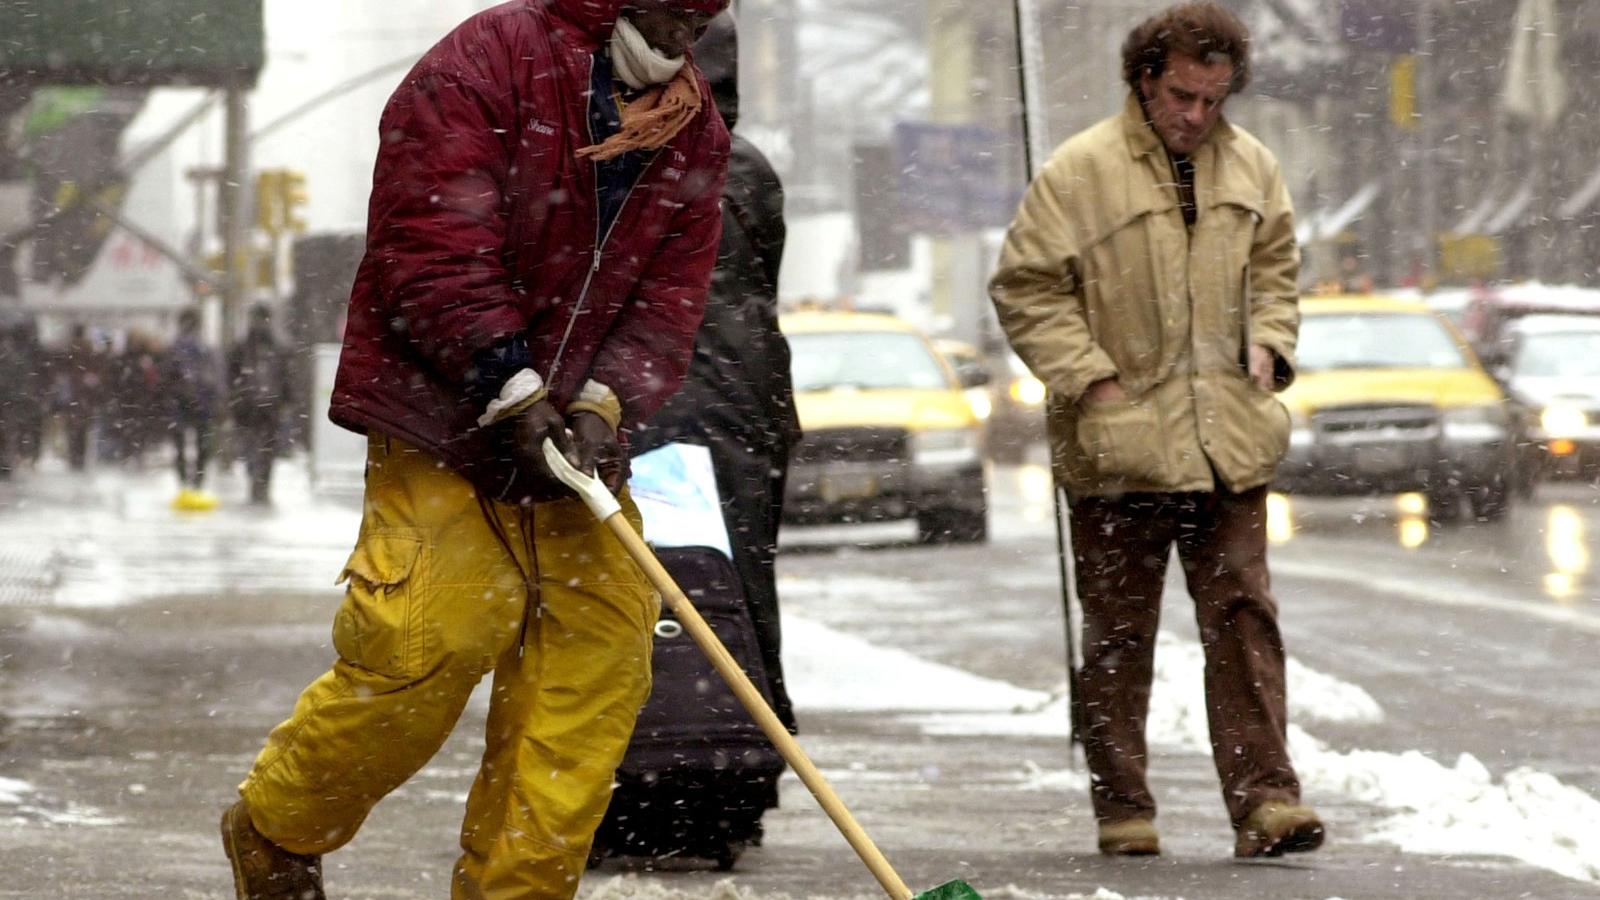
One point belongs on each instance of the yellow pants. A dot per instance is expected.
(438, 596)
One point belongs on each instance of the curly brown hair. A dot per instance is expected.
(1204, 31)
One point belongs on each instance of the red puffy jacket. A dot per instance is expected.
(483, 224)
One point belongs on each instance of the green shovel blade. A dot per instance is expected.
(953, 890)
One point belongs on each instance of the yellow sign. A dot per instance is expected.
(1403, 92)
(1468, 257)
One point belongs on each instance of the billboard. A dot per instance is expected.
(953, 178)
(219, 43)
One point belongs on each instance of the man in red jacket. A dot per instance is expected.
(543, 224)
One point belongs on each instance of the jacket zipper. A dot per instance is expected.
(600, 239)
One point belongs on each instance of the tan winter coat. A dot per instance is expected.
(1100, 277)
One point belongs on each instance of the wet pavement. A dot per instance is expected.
(144, 655)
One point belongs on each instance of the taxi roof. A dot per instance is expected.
(1318, 304)
(816, 320)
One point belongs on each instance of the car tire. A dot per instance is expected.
(1490, 502)
(953, 526)
(1444, 506)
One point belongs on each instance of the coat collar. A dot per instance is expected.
(1143, 140)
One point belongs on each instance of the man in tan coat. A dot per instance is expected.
(1149, 281)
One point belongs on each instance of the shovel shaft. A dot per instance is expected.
(747, 693)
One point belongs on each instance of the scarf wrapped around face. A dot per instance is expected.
(671, 97)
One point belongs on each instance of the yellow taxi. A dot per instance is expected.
(889, 433)
(1390, 398)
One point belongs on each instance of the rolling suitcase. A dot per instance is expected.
(698, 774)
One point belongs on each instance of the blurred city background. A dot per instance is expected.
(160, 154)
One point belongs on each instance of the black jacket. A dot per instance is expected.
(738, 386)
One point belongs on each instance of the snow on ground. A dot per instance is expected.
(21, 803)
(630, 887)
(110, 537)
(12, 791)
(1462, 810)
(1177, 704)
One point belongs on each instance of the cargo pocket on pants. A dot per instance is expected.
(374, 627)
(1123, 441)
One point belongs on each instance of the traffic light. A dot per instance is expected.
(280, 194)
(292, 191)
(269, 191)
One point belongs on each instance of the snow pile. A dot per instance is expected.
(1177, 715)
(1443, 810)
(1324, 698)
(830, 670)
(1178, 703)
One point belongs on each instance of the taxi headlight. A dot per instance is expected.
(980, 401)
(1027, 391)
(1475, 424)
(945, 447)
(1562, 421)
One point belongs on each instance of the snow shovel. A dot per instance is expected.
(606, 509)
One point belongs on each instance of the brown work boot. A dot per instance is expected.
(1130, 837)
(261, 869)
(1275, 828)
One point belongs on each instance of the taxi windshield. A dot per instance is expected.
(1377, 341)
(864, 360)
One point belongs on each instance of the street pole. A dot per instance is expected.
(1030, 52)
(957, 258)
(233, 205)
(1030, 81)
(1427, 132)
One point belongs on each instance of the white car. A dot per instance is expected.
(1552, 365)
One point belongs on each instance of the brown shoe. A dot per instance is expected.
(1130, 837)
(1275, 828)
(261, 869)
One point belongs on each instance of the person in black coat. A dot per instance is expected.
(259, 389)
(738, 398)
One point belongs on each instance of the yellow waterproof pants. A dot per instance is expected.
(437, 596)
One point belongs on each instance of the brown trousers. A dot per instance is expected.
(1120, 547)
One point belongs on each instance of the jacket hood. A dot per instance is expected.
(594, 17)
(717, 55)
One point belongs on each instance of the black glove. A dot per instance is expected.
(599, 451)
(522, 438)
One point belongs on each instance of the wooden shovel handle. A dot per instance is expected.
(747, 693)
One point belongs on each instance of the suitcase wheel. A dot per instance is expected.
(730, 853)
